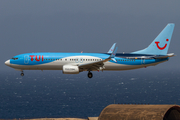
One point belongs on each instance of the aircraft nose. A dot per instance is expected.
(7, 62)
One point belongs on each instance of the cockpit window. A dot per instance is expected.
(14, 58)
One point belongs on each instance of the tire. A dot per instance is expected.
(22, 74)
(90, 75)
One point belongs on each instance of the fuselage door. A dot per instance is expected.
(143, 60)
(26, 59)
(81, 60)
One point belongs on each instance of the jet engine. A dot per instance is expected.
(69, 69)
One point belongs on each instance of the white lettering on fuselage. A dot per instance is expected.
(69, 69)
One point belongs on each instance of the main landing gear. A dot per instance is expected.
(22, 74)
(90, 75)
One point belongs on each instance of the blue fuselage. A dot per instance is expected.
(55, 61)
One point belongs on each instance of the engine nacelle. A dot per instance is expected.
(69, 69)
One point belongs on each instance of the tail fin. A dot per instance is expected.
(161, 43)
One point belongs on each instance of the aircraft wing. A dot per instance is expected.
(98, 65)
(94, 65)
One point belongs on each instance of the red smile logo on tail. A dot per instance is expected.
(161, 48)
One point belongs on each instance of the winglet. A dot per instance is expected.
(112, 48)
(113, 55)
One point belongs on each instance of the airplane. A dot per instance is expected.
(74, 63)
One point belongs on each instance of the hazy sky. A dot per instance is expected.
(85, 25)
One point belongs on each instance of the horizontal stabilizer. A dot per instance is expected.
(152, 57)
(166, 56)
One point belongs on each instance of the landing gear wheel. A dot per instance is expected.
(22, 74)
(90, 75)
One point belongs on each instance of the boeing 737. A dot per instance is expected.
(74, 63)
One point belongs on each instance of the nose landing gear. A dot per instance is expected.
(90, 75)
